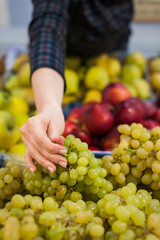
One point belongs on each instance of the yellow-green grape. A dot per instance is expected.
(138, 218)
(156, 166)
(18, 201)
(8, 178)
(115, 169)
(136, 133)
(148, 145)
(97, 220)
(82, 161)
(122, 213)
(119, 226)
(127, 235)
(49, 204)
(146, 179)
(124, 129)
(134, 160)
(29, 231)
(27, 219)
(141, 165)
(136, 173)
(17, 212)
(73, 174)
(96, 230)
(158, 155)
(81, 217)
(72, 157)
(120, 178)
(82, 170)
(36, 203)
(126, 157)
(149, 162)
(125, 168)
(11, 229)
(63, 177)
(142, 153)
(153, 221)
(151, 237)
(47, 217)
(135, 143)
(75, 196)
(157, 145)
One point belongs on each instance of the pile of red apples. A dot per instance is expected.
(96, 123)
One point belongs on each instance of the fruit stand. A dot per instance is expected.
(111, 107)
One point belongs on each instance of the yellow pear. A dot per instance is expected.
(9, 130)
(18, 148)
(72, 82)
(19, 105)
(96, 78)
(131, 89)
(155, 80)
(137, 58)
(92, 95)
(154, 65)
(24, 75)
(142, 87)
(19, 61)
(130, 71)
(114, 67)
(12, 82)
(5, 100)
(26, 93)
(73, 63)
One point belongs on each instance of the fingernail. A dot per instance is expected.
(51, 169)
(32, 170)
(63, 164)
(63, 151)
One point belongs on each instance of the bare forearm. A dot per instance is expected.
(48, 88)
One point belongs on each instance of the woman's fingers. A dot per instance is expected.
(32, 153)
(55, 158)
(41, 139)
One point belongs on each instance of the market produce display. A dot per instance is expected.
(109, 104)
(79, 202)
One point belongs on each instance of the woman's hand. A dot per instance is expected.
(42, 137)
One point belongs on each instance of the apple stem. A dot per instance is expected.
(129, 150)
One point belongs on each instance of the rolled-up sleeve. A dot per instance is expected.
(47, 33)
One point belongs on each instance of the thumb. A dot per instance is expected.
(54, 136)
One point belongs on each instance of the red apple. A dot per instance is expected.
(110, 140)
(98, 119)
(150, 109)
(75, 113)
(78, 131)
(129, 111)
(94, 148)
(149, 123)
(157, 115)
(115, 93)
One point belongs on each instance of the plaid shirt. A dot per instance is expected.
(76, 27)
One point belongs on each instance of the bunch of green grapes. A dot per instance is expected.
(10, 181)
(131, 214)
(30, 217)
(84, 174)
(137, 157)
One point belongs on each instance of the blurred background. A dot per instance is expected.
(15, 17)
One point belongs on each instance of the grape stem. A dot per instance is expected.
(129, 150)
(65, 229)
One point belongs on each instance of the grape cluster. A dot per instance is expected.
(83, 174)
(10, 181)
(131, 214)
(137, 157)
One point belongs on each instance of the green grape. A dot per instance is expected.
(92, 173)
(55, 183)
(1, 183)
(122, 213)
(93, 162)
(115, 169)
(29, 230)
(96, 230)
(81, 146)
(18, 201)
(61, 191)
(82, 161)
(27, 219)
(82, 170)
(138, 218)
(151, 237)
(73, 174)
(75, 196)
(88, 180)
(49, 204)
(8, 178)
(127, 235)
(81, 217)
(119, 226)
(36, 203)
(72, 158)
